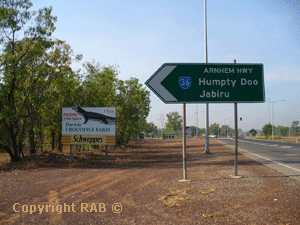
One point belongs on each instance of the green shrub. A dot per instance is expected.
(268, 138)
(275, 137)
(261, 137)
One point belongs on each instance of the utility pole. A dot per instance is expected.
(236, 136)
(269, 109)
(273, 114)
(197, 121)
(207, 106)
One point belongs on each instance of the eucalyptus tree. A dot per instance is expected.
(102, 88)
(174, 123)
(25, 36)
(295, 129)
(133, 106)
(61, 92)
(99, 85)
(214, 129)
(267, 130)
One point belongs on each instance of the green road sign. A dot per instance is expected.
(208, 83)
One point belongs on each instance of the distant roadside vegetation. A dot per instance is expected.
(279, 132)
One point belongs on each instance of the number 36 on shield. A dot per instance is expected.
(185, 82)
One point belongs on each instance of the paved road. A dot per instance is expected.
(284, 157)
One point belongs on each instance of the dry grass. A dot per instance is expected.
(289, 139)
(210, 216)
(206, 192)
(4, 157)
(175, 197)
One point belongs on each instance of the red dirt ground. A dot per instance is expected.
(140, 185)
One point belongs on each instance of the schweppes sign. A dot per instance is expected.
(89, 139)
(94, 126)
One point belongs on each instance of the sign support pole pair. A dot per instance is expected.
(184, 142)
(208, 83)
(106, 153)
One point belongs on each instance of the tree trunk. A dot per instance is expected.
(59, 143)
(14, 158)
(31, 141)
(53, 139)
(41, 140)
(20, 150)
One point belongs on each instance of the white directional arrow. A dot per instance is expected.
(154, 83)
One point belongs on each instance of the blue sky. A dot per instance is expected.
(139, 36)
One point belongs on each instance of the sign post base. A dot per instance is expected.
(184, 181)
(235, 177)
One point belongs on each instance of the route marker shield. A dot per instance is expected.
(185, 82)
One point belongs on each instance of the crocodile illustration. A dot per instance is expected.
(93, 115)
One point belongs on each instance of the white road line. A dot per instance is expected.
(285, 146)
(270, 160)
(266, 144)
(264, 158)
(256, 143)
(252, 142)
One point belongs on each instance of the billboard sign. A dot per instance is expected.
(96, 126)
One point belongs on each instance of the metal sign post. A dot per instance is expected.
(184, 143)
(106, 153)
(71, 153)
(236, 140)
(236, 134)
(184, 146)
